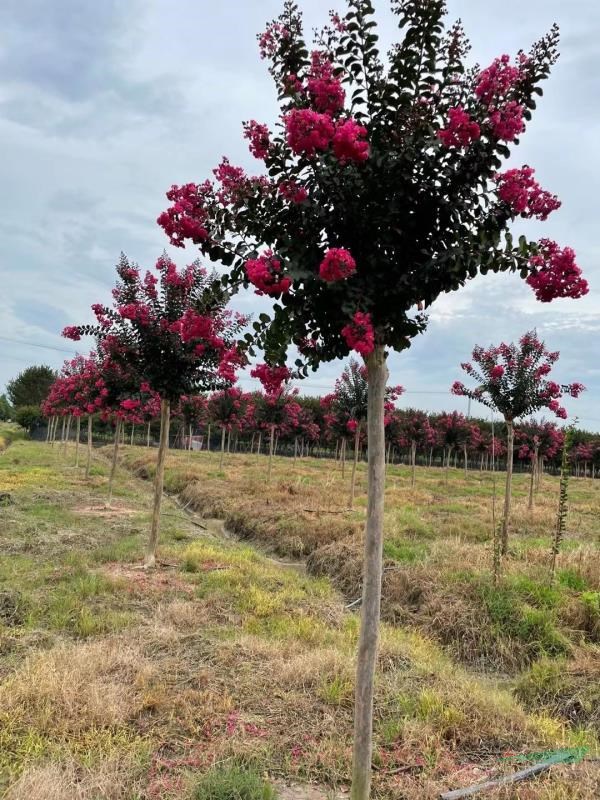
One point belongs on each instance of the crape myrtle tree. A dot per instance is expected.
(349, 405)
(277, 409)
(415, 431)
(382, 191)
(230, 409)
(454, 432)
(536, 442)
(193, 410)
(512, 379)
(172, 333)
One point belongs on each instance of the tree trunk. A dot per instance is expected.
(343, 457)
(78, 434)
(295, 449)
(89, 447)
(448, 457)
(159, 480)
(258, 447)
(335, 456)
(372, 573)
(353, 479)
(208, 438)
(271, 441)
(534, 469)
(222, 448)
(508, 491)
(190, 441)
(62, 433)
(413, 461)
(113, 466)
(48, 429)
(68, 432)
(148, 435)
(466, 460)
(229, 441)
(132, 435)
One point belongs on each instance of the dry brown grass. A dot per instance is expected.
(119, 778)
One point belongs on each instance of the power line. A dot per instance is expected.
(34, 344)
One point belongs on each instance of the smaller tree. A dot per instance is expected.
(31, 386)
(453, 431)
(414, 431)
(349, 405)
(29, 417)
(194, 411)
(536, 442)
(6, 410)
(173, 333)
(513, 380)
(230, 409)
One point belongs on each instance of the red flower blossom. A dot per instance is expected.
(270, 377)
(292, 191)
(337, 265)
(497, 372)
(518, 189)
(359, 334)
(497, 80)
(258, 136)
(308, 131)
(187, 217)
(460, 130)
(507, 121)
(323, 88)
(265, 273)
(555, 273)
(349, 143)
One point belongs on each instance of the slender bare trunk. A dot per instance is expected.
(148, 435)
(132, 435)
(190, 441)
(508, 490)
(413, 461)
(229, 441)
(208, 438)
(355, 462)
(335, 456)
(222, 448)
(113, 466)
(295, 449)
(271, 442)
(49, 425)
(372, 574)
(89, 446)
(466, 460)
(258, 447)
(77, 434)
(343, 458)
(62, 434)
(534, 469)
(159, 480)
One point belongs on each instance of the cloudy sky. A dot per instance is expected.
(103, 105)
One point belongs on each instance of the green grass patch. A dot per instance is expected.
(233, 782)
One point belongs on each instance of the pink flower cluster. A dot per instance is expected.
(460, 130)
(265, 273)
(71, 332)
(337, 265)
(292, 191)
(349, 142)
(497, 80)
(323, 88)
(359, 334)
(187, 217)
(519, 189)
(507, 122)
(271, 378)
(309, 132)
(259, 138)
(270, 41)
(555, 273)
(136, 312)
(497, 372)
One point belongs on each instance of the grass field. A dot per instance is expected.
(230, 667)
